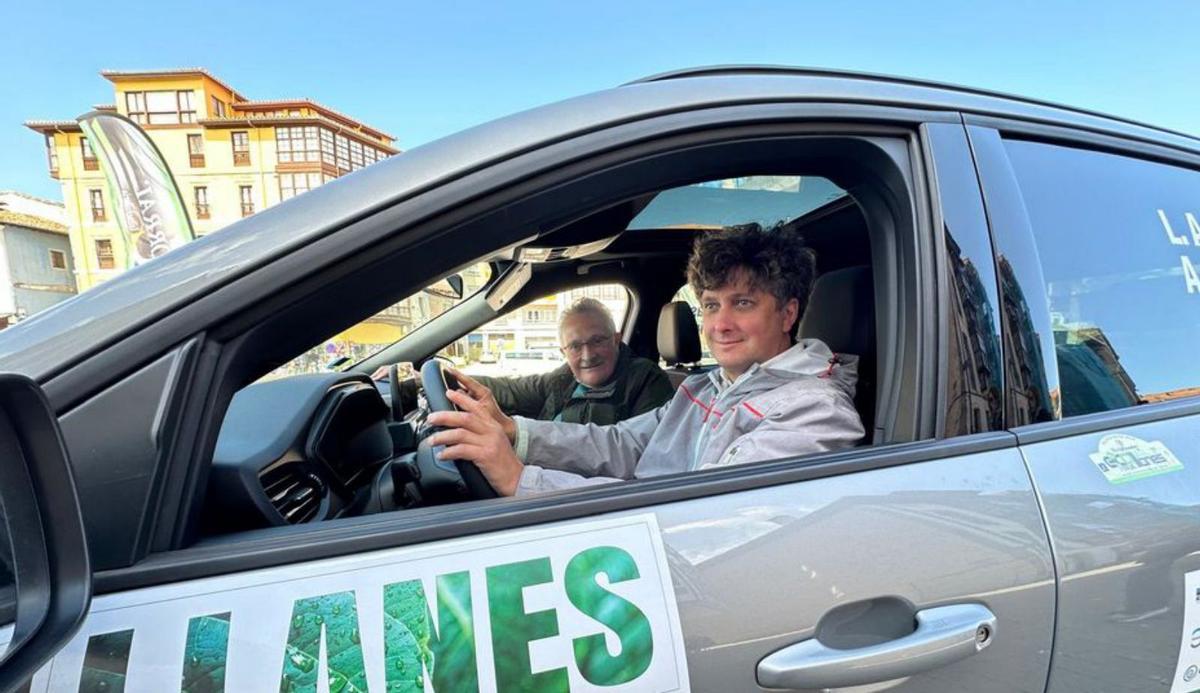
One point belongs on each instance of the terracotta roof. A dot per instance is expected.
(104, 107)
(27, 196)
(277, 103)
(53, 125)
(30, 221)
(114, 75)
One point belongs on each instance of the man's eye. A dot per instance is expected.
(744, 303)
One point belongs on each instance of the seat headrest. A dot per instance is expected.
(841, 311)
(678, 338)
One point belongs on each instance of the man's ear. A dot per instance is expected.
(791, 311)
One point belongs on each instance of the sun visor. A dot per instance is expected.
(582, 237)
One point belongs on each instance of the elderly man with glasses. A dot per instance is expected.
(602, 382)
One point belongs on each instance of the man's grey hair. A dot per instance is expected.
(588, 306)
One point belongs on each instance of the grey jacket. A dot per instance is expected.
(800, 402)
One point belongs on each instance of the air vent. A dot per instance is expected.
(295, 493)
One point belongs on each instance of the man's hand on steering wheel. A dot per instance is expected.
(480, 393)
(475, 434)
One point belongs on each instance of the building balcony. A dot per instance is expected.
(196, 160)
(91, 164)
(241, 158)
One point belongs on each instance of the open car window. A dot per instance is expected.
(525, 341)
(385, 327)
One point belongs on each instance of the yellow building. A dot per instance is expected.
(230, 156)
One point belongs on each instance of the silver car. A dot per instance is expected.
(1014, 276)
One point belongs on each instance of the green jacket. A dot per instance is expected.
(638, 385)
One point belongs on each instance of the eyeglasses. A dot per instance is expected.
(576, 348)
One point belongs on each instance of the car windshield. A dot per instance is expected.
(386, 327)
(766, 200)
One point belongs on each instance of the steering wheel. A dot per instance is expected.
(436, 380)
(397, 406)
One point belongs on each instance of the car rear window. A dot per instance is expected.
(1119, 244)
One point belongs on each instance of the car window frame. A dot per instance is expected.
(905, 122)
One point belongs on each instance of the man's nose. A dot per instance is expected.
(719, 320)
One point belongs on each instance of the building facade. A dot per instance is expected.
(35, 256)
(230, 156)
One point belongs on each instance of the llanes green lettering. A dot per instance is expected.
(629, 623)
(513, 629)
(204, 654)
(412, 648)
(337, 616)
(417, 646)
(105, 662)
(454, 642)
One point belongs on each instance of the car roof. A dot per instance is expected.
(752, 69)
(104, 314)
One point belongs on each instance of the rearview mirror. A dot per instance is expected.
(451, 287)
(45, 576)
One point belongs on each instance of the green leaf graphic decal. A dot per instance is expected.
(406, 637)
(105, 662)
(448, 654)
(204, 654)
(513, 629)
(626, 620)
(337, 616)
(454, 642)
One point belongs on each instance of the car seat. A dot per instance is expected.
(841, 313)
(678, 341)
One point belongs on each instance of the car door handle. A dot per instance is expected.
(943, 635)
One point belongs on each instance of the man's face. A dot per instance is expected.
(744, 326)
(590, 348)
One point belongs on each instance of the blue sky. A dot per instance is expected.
(421, 71)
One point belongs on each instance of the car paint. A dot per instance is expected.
(1069, 563)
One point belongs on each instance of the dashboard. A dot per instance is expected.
(299, 449)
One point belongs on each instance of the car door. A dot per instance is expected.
(921, 565)
(1101, 235)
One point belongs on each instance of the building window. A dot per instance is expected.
(241, 148)
(218, 107)
(52, 154)
(327, 147)
(104, 254)
(247, 195)
(298, 144)
(343, 154)
(135, 106)
(292, 184)
(58, 260)
(201, 201)
(161, 107)
(356, 155)
(89, 157)
(196, 151)
(541, 315)
(97, 200)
